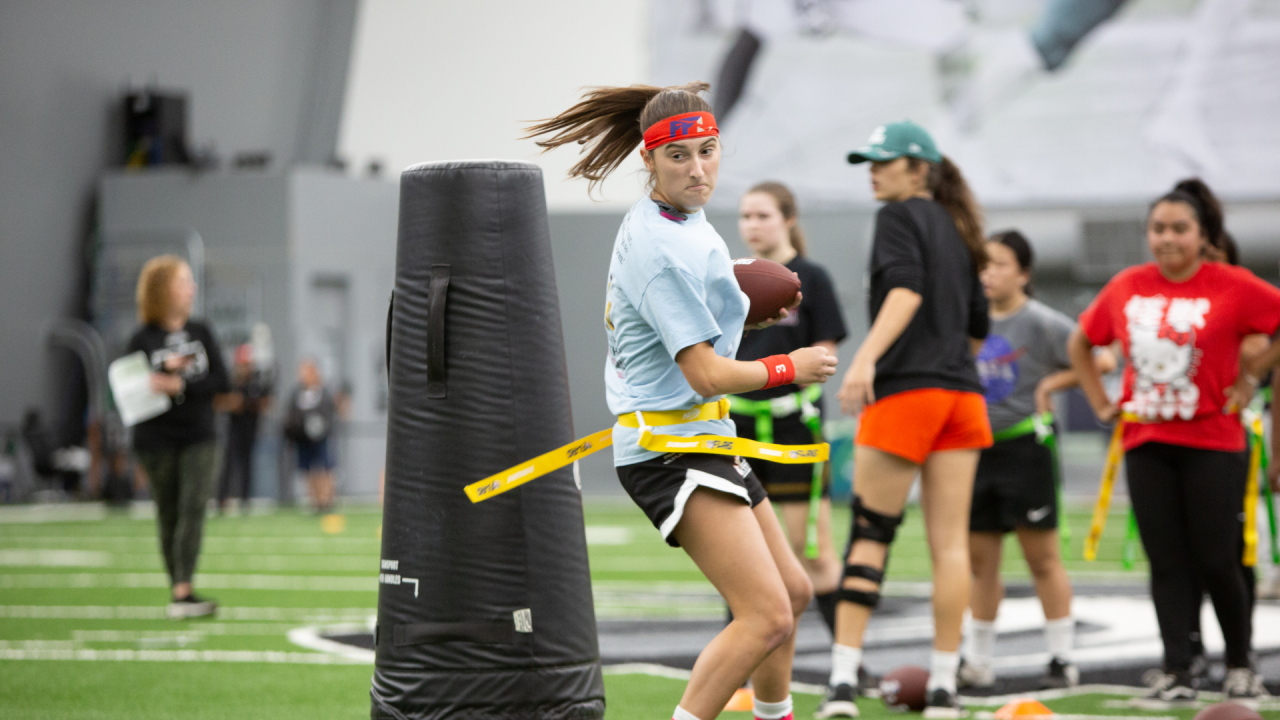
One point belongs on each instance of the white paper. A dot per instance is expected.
(130, 380)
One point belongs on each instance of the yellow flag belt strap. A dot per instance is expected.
(644, 421)
(1115, 454)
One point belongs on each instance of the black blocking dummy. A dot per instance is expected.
(484, 610)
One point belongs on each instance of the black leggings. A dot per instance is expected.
(1189, 505)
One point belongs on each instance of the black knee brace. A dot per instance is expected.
(876, 527)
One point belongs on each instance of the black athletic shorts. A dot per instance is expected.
(784, 482)
(1014, 488)
(662, 486)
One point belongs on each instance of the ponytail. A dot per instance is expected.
(950, 190)
(1194, 193)
(610, 122)
(786, 201)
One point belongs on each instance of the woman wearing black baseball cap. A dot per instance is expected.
(915, 386)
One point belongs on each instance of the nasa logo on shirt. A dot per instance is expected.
(998, 367)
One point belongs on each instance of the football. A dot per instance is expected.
(904, 687)
(770, 286)
(1227, 711)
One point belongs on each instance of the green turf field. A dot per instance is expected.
(83, 635)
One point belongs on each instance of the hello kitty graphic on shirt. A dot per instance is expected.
(1162, 348)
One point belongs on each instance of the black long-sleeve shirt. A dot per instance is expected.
(190, 420)
(918, 247)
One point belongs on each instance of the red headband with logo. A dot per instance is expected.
(680, 127)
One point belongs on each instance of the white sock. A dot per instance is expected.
(844, 665)
(772, 711)
(682, 714)
(1060, 636)
(942, 671)
(981, 643)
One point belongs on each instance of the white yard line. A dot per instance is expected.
(208, 581)
(236, 656)
(157, 612)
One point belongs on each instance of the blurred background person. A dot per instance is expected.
(177, 449)
(249, 397)
(768, 222)
(1021, 364)
(1182, 322)
(309, 426)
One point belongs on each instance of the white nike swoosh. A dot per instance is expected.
(1038, 514)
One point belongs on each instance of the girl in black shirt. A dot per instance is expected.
(768, 222)
(914, 385)
(177, 447)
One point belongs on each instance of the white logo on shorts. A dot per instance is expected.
(1038, 514)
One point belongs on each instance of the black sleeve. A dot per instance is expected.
(216, 380)
(979, 311)
(827, 320)
(895, 252)
(136, 344)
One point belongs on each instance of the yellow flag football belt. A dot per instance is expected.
(1115, 454)
(645, 421)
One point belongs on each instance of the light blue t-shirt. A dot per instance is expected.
(671, 285)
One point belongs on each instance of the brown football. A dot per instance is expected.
(904, 687)
(1227, 711)
(770, 286)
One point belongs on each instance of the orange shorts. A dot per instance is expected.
(915, 423)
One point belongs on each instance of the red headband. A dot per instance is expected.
(680, 127)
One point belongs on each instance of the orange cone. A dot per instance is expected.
(1023, 708)
(743, 700)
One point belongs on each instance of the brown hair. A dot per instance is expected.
(155, 284)
(950, 190)
(786, 201)
(610, 122)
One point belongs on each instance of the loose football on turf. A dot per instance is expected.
(770, 286)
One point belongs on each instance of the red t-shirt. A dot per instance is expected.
(1182, 348)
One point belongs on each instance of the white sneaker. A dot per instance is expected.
(969, 675)
(1243, 684)
(190, 607)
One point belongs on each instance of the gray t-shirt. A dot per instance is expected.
(1019, 351)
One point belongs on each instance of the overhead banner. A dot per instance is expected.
(1040, 102)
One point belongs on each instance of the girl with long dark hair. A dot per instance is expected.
(1181, 321)
(674, 317)
(915, 386)
(769, 223)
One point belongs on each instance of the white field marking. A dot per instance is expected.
(310, 638)
(248, 545)
(1202, 699)
(631, 564)
(608, 535)
(51, 513)
(1066, 716)
(311, 583)
(157, 612)
(56, 558)
(236, 656)
(151, 561)
(1130, 631)
(195, 631)
(679, 674)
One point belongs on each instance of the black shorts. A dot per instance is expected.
(662, 486)
(785, 482)
(1014, 488)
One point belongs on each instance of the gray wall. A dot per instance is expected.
(582, 243)
(262, 75)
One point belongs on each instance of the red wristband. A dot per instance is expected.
(782, 371)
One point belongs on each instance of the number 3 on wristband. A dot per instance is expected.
(781, 369)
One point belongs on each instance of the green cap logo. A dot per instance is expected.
(895, 140)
